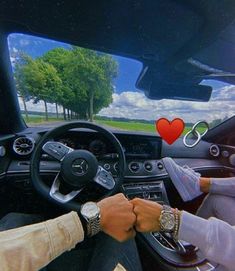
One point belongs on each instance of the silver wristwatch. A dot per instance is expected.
(91, 213)
(167, 219)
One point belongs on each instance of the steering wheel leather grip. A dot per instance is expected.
(78, 167)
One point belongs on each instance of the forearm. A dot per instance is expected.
(205, 184)
(34, 246)
(211, 236)
(222, 186)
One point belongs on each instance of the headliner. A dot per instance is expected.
(180, 41)
(161, 31)
(186, 39)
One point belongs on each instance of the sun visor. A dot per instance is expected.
(172, 85)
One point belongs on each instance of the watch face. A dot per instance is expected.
(168, 221)
(90, 210)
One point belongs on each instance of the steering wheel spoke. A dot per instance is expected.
(104, 178)
(56, 149)
(57, 195)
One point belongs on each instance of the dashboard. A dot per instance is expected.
(143, 153)
(145, 175)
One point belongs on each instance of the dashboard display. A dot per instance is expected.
(133, 145)
(145, 146)
(68, 142)
(139, 148)
(97, 147)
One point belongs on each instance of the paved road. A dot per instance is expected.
(53, 124)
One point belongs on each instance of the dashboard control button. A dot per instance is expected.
(214, 150)
(107, 166)
(160, 166)
(2, 151)
(225, 154)
(232, 159)
(148, 166)
(146, 195)
(134, 167)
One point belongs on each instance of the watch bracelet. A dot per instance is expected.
(93, 227)
(177, 224)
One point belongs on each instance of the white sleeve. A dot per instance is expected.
(32, 247)
(214, 237)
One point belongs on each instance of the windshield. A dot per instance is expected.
(58, 82)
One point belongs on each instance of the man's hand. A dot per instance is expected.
(147, 215)
(117, 217)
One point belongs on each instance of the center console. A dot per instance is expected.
(176, 255)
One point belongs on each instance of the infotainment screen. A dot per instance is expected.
(141, 146)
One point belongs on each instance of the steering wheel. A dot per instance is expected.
(78, 168)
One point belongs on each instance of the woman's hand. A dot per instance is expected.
(147, 215)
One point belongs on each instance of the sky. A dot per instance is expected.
(128, 102)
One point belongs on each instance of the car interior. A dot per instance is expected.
(179, 44)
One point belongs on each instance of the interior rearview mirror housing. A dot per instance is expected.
(168, 84)
(179, 92)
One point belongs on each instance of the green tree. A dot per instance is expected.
(215, 122)
(79, 79)
(22, 60)
(91, 77)
(59, 58)
(42, 82)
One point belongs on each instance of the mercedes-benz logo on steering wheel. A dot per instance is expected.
(80, 166)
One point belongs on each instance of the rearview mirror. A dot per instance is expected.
(179, 92)
(169, 84)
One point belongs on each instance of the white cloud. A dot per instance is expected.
(226, 93)
(14, 50)
(135, 105)
(13, 55)
(24, 42)
(39, 107)
(13, 60)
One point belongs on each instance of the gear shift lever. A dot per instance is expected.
(181, 247)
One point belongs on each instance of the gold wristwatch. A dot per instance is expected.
(169, 221)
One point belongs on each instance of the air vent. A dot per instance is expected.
(214, 150)
(23, 145)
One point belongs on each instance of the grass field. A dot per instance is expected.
(137, 126)
(39, 119)
(130, 126)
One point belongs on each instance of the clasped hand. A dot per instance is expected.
(121, 218)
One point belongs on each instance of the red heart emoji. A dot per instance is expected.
(170, 130)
